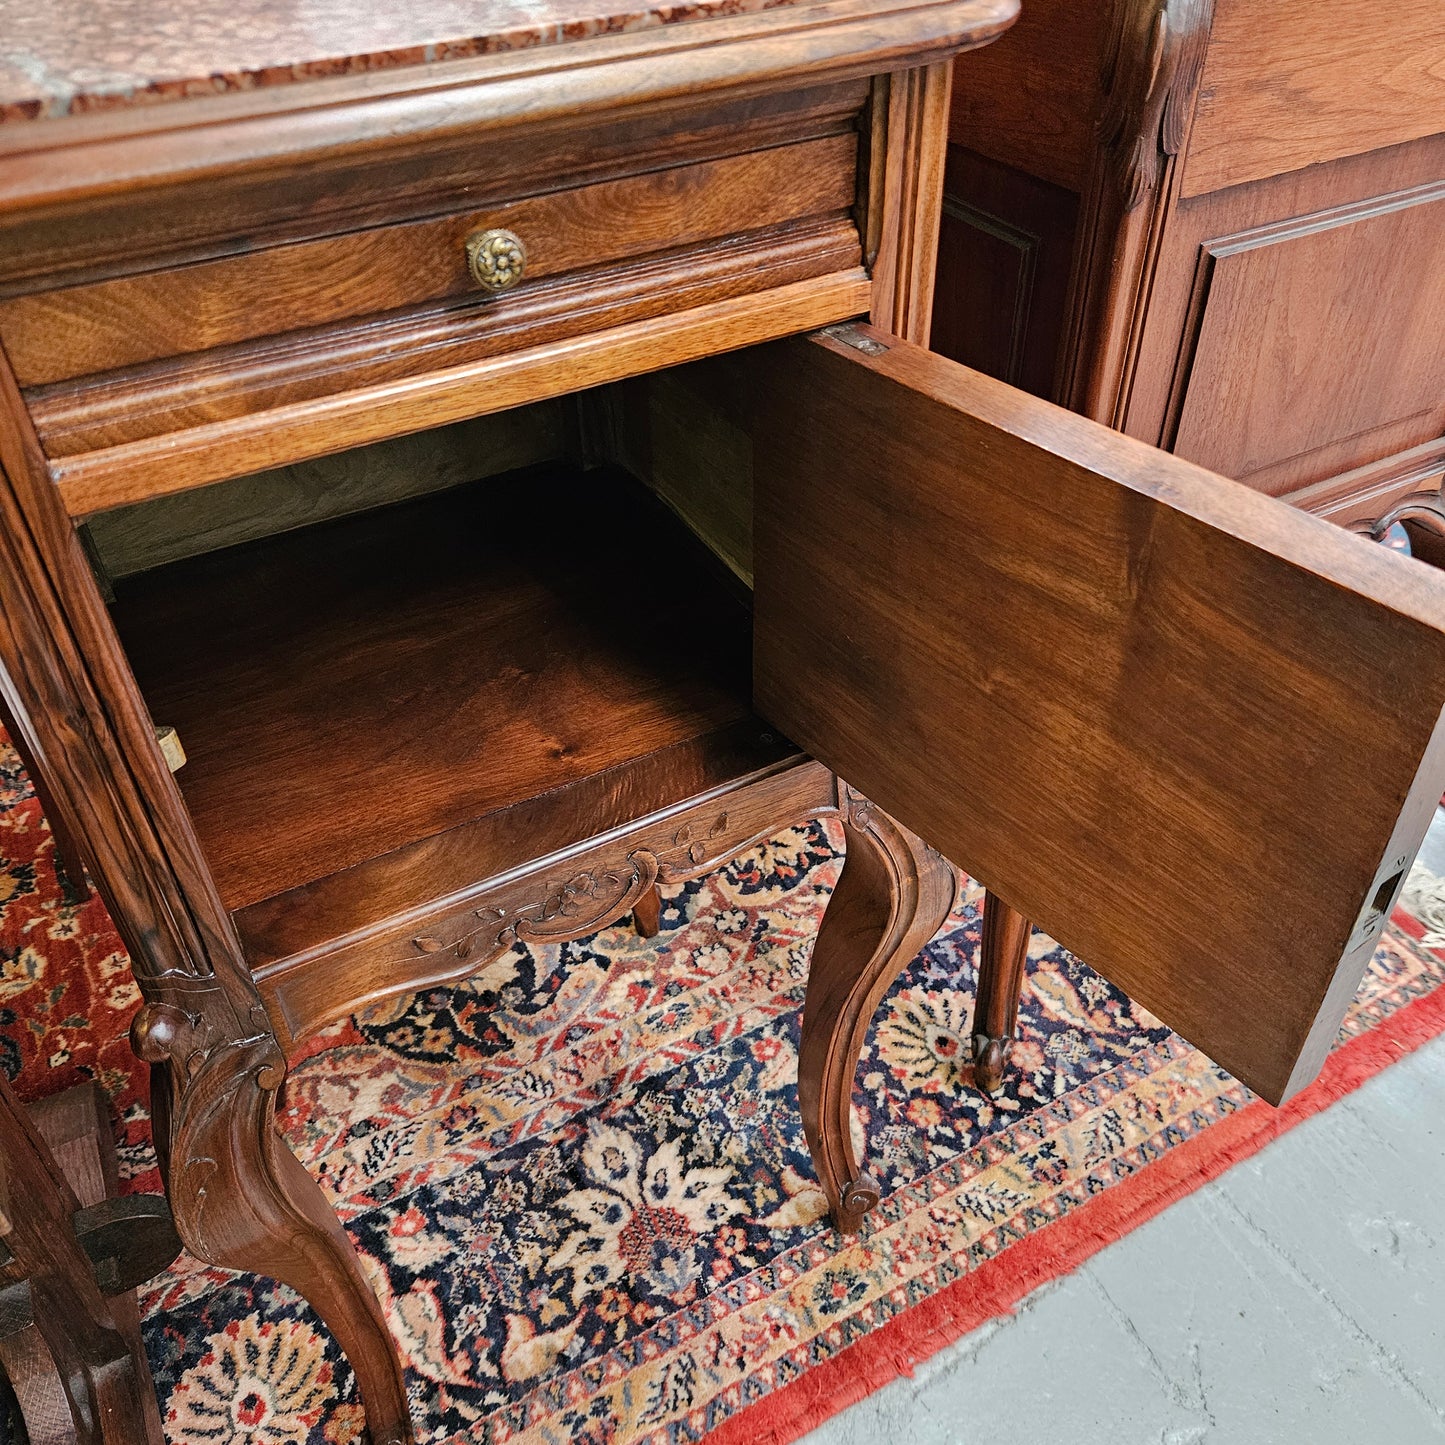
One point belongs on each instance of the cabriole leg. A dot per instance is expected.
(241, 1199)
(892, 897)
(1001, 956)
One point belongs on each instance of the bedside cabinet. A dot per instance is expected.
(683, 258)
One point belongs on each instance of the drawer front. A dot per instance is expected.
(80, 330)
(1160, 714)
(192, 332)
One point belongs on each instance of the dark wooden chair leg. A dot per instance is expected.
(241, 1199)
(77, 1378)
(1001, 956)
(892, 897)
(647, 913)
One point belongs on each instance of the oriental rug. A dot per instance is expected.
(580, 1183)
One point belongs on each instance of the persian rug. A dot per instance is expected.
(580, 1184)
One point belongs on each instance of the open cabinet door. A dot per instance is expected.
(1193, 734)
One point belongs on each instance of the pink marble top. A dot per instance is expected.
(61, 57)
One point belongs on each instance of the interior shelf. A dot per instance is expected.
(347, 690)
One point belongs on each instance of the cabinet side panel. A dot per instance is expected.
(1287, 85)
(1004, 256)
(1319, 342)
(1030, 99)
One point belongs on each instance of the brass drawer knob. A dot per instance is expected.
(496, 259)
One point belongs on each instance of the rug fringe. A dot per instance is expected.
(1424, 897)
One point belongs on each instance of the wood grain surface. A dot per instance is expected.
(1318, 337)
(1287, 85)
(348, 689)
(1280, 215)
(1177, 736)
(54, 335)
(1029, 99)
(157, 466)
(178, 222)
(175, 395)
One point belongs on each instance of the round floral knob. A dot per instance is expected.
(496, 259)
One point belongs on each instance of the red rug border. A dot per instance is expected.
(996, 1286)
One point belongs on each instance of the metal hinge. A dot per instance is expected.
(849, 334)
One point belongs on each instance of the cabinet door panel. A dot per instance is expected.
(1193, 734)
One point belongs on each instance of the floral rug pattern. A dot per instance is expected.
(580, 1183)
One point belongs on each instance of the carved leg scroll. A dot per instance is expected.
(892, 897)
(1002, 952)
(242, 1200)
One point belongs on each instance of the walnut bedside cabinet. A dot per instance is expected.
(1161, 714)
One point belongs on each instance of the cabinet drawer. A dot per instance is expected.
(76, 331)
(180, 333)
(1193, 733)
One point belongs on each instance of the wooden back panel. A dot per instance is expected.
(1191, 733)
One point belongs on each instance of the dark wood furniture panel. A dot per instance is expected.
(1036, 118)
(1274, 321)
(170, 216)
(1005, 256)
(1286, 86)
(75, 331)
(1333, 212)
(237, 381)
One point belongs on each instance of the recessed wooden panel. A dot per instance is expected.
(80, 330)
(1319, 342)
(1159, 714)
(1005, 247)
(1292, 83)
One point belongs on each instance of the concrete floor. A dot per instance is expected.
(1297, 1300)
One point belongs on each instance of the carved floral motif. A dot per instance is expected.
(1153, 60)
(585, 902)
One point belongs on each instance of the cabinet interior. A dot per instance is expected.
(449, 656)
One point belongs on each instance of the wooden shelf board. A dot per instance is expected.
(346, 691)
